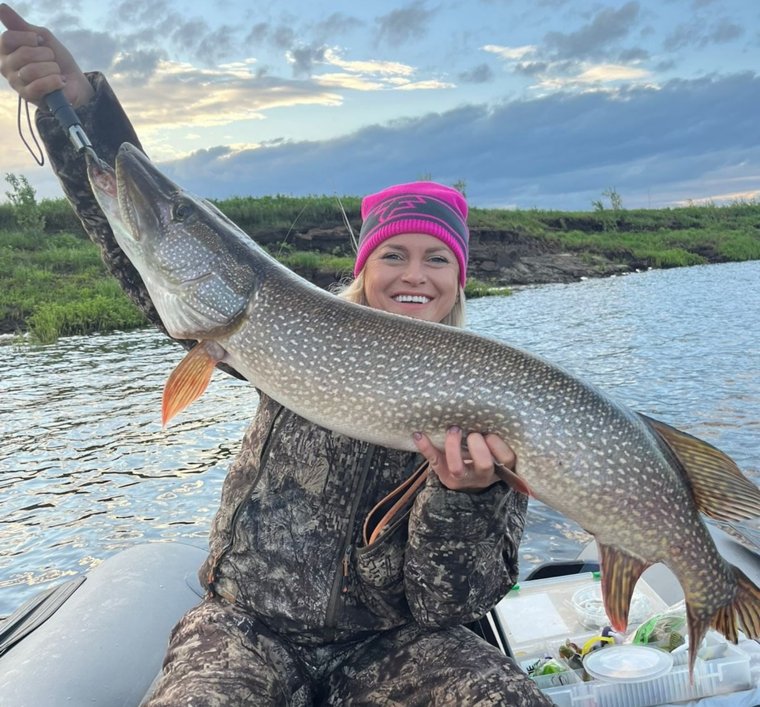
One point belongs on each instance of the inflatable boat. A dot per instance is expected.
(99, 639)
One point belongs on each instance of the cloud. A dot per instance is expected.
(404, 24)
(371, 66)
(698, 33)
(566, 74)
(482, 73)
(141, 12)
(372, 75)
(512, 53)
(337, 24)
(607, 26)
(593, 76)
(687, 139)
(179, 94)
(93, 49)
(303, 58)
(138, 66)
(724, 32)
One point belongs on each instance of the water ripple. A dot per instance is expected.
(87, 470)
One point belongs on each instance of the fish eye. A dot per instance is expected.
(182, 211)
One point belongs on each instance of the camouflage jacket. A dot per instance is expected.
(288, 542)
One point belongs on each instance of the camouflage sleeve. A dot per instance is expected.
(462, 553)
(107, 126)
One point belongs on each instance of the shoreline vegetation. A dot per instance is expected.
(55, 284)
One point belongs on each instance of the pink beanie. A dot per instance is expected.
(417, 207)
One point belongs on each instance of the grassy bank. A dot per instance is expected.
(658, 238)
(54, 283)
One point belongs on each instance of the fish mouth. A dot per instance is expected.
(102, 178)
(144, 193)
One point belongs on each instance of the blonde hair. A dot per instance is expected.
(354, 292)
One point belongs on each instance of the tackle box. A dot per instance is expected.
(536, 618)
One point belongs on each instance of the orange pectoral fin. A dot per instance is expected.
(188, 380)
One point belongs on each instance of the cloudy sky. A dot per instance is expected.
(532, 103)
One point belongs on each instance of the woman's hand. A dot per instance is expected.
(35, 63)
(474, 472)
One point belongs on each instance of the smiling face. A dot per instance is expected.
(412, 274)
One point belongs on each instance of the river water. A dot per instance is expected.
(87, 470)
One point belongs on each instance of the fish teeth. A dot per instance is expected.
(417, 299)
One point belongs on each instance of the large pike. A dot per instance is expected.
(380, 377)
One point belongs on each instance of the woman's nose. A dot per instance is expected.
(414, 271)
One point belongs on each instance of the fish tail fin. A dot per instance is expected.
(745, 607)
(188, 381)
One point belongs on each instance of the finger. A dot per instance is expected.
(426, 448)
(29, 73)
(480, 452)
(12, 40)
(506, 463)
(501, 451)
(452, 446)
(12, 20)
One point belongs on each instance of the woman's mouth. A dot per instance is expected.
(411, 299)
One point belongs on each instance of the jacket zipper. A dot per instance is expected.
(341, 582)
(213, 570)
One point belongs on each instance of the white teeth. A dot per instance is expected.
(416, 299)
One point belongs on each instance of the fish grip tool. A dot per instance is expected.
(69, 121)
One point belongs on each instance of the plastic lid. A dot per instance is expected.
(627, 663)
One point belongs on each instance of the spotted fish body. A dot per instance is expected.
(380, 377)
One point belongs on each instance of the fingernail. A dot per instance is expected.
(417, 436)
(454, 430)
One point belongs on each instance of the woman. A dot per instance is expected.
(321, 588)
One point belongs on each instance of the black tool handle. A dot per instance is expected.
(69, 121)
(61, 109)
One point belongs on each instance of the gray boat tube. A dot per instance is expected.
(104, 645)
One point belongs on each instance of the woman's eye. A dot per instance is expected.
(439, 259)
(182, 211)
(391, 256)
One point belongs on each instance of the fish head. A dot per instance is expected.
(190, 256)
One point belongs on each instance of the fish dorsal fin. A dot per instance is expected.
(720, 489)
(620, 572)
(189, 379)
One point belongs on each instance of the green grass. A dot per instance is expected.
(307, 260)
(475, 288)
(55, 284)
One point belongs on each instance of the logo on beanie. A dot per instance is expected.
(418, 208)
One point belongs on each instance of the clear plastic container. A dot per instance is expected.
(727, 674)
(589, 607)
(540, 616)
(542, 612)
